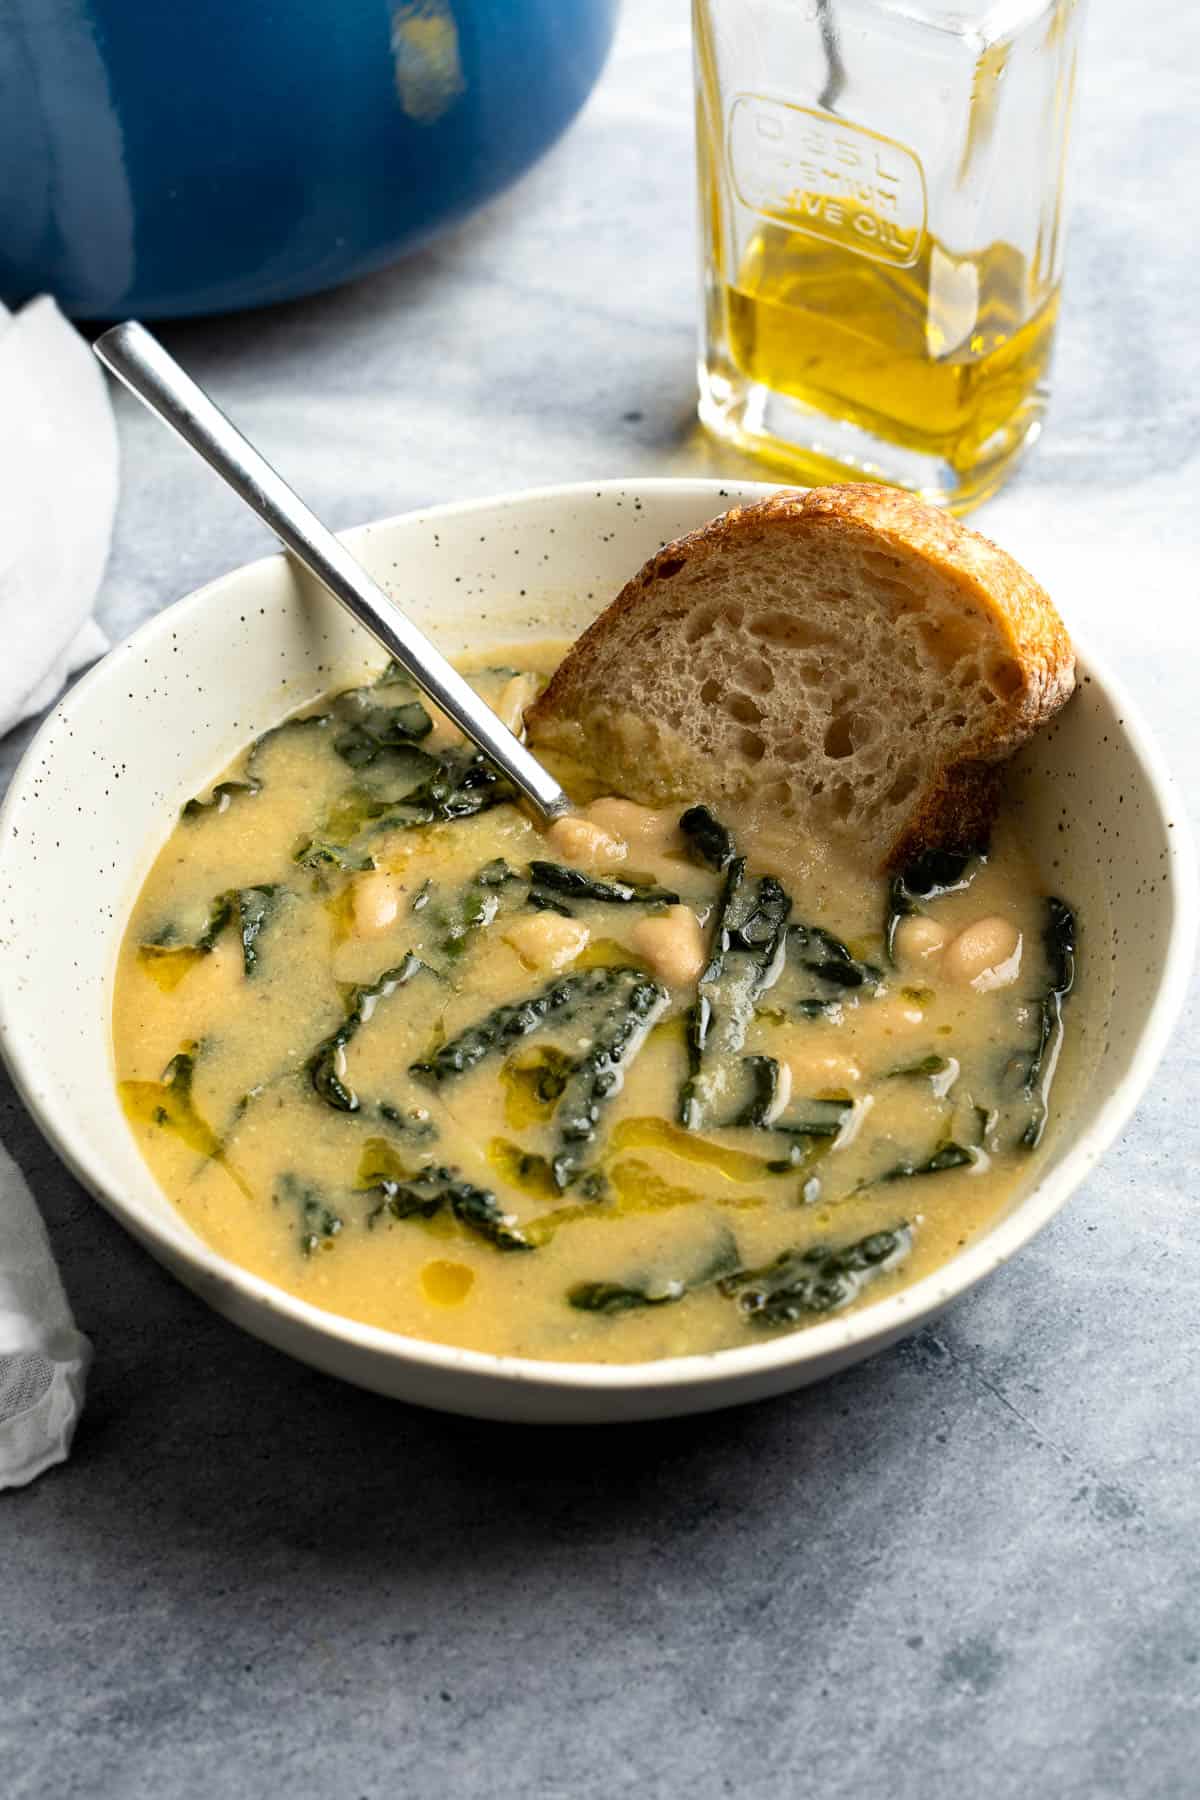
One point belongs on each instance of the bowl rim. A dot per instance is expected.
(878, 1322)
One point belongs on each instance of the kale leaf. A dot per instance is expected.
(316, 853)
(580, 886)
(745, 959)
(256, 906)
(598, 1075)
(947, 1156)
(708, 840)
(379, 729)
(319, 1224)
(221, 798)
(506, 1025)
(1059, 939)
(434, 1189)
(326, 1065)
(821, 1279)
(614, 1297)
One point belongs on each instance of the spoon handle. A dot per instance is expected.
(150, 372)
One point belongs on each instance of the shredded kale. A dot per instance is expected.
(614, 1297)
(598, 1075)
(745, 959)
(251, 907)
(579, 886)
(1059, 938)
(379, 729)
(819, 975)
(813, 1118)
(828, 959)
(496, 874)
(765, 1074)
(220, 914)
(315, 853)
(802, 1283)
(546, 903)
(506, 1025)
(708, 840)
(256, 906)
(949, 1155)
(319, 1224)
(796, 1286)
(463, 785)
(326, 1065)
(221, 798)
(414, 1124)
(471, 909)
(434, 1189)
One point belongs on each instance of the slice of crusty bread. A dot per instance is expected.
(848, 659)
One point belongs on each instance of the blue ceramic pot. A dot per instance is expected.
(164, 157)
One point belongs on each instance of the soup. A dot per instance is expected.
(646, 1084)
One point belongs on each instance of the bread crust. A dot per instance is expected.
(956, 805)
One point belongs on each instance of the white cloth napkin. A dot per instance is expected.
(58, 494)
(43, 1359)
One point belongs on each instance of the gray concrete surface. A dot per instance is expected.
(969, 1568)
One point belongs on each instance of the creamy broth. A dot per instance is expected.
(607, 1093)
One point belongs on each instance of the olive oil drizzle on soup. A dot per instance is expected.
(646, 1084)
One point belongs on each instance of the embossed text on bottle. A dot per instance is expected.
(827, 177)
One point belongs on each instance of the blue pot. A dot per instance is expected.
(165, 157)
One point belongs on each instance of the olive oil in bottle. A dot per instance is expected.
(880, 200)
(940, 358)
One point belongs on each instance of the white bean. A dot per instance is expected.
(984, 955)
(577, 840)
(375, 900)
(815, 1070)
(515, 697)
(547, 940)
(894, 1017)
(919, 938)
(672, 943)
(636, 825)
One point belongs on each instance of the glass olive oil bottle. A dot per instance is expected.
(881, 200)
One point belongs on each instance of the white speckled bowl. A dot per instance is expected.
(101, 785)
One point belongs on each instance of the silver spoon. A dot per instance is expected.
(150, 372)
